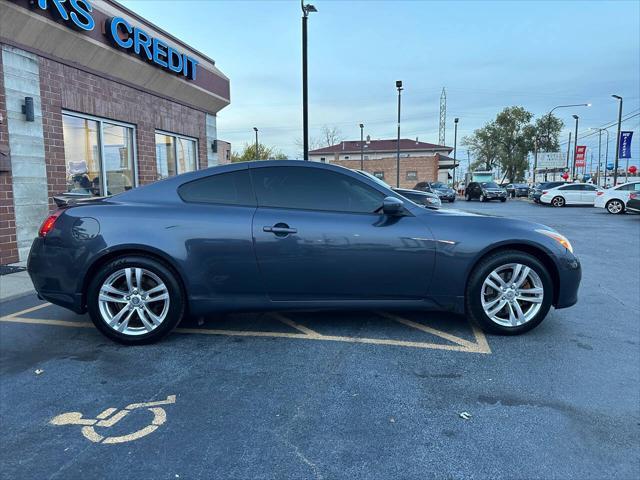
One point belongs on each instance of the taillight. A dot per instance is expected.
(545, 192)
(599, 193)
(633, 196)
(48, 224)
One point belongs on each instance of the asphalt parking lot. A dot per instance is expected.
(340, 395)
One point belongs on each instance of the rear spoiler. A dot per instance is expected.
(64, 201)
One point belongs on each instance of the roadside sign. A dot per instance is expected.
(550, 160)
(625, 144)
(581, 155)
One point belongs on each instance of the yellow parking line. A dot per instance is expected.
(40, 321)
(297, 326)
(26, 310)
(426, 329)
(480, 347)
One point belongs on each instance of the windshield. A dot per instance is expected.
(520, 185)
(438, 185)
(489, 185)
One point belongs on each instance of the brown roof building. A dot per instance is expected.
(419, 161)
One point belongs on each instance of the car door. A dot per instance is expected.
(588, 194)
(317, 236)
(571, 194)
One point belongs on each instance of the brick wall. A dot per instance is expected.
(8, 245)
(425, 167)
(67, 88)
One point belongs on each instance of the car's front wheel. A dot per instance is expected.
(509, 293)
(135, 300)
(615, 206)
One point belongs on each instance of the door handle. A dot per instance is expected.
(280, 229)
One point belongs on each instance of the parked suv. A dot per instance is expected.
(517, 190)
(485, 191)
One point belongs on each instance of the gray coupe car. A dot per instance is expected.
(276, 235)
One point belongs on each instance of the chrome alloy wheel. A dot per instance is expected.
(557, 202)
(512, 295)
(133, 301)
(615, 206)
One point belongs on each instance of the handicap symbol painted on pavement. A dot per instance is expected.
(111, 416)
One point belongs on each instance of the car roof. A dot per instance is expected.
(166, 190)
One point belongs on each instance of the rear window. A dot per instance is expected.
(233, 188)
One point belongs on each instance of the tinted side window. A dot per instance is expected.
(233, 188)
(571, 187)
(313, 189)
(630, 187)
(589, 188)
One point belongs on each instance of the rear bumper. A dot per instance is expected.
(570, 275)
(52, 276)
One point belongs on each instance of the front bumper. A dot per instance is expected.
(569, 277)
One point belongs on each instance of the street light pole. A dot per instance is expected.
(255, 129)
(615, 166)
(549, 131)
(362, 146)
(399, 87)
(306, 9)
(568, 151)
(575, 149)
(455, 146)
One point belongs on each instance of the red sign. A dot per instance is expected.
(581, 156)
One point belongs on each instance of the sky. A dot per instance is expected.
(488, 55)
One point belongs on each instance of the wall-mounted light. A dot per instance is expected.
(28, 110)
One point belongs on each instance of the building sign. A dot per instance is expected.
(550, 160)
(77, 14)
(581, 156)
(625, 144)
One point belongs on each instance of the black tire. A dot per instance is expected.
(176, 299)
(473, 303)
(503, 200)
(612, 204)
(557, 202)
(452, 200)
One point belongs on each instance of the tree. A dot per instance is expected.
(513, 141)
(330, 136)
(264, 153)
(482, 145)
(547, 129)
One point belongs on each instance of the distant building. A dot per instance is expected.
(419, 161)
(224, 152)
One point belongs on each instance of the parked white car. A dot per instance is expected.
(615, 199)
(571, 194)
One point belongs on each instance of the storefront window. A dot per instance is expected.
(99, 156)
(175, 154)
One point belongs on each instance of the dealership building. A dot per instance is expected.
(95, 100)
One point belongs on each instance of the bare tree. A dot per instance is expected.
(331, 136)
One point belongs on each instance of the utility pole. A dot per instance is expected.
(575, 149)
(306, 9)
(615, 166)
(362, 146)
(399, 87)
(568, 150)
(255, 129)
(455, 153)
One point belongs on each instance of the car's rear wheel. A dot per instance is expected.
(557, 202)
(615, 206)
(509, 293)
(135, 300)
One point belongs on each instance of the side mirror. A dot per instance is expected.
(392, 206)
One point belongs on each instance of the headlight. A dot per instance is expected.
(561, 239)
